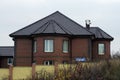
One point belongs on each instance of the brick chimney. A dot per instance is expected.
(87, 22)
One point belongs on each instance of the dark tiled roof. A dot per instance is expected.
(100, 34)
(55, 23)
(52, 27)
(6, 51)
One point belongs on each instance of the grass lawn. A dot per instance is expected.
(24, 72)
(103, 69)
(3, 73)
(21, 72)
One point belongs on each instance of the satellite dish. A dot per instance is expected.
(88, 22)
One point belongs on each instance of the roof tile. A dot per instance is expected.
(100, 34)
(60, 22)
(6, 51)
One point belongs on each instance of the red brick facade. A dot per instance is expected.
(23, 52)
(3, 62)
(78, 47)
(95, 49)
(56, 55)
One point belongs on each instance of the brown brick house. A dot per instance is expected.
(6, 56)
(58, 38)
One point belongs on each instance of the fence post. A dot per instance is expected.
(56, 68)
(33, 71)
(10, 72)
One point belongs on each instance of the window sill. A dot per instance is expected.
(101, 54)
(65, 52)
(48, 52)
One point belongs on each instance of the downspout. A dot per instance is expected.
(70, 50)
(14, 57)
(32, 56)
(90, 49)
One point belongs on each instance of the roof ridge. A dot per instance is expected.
(105, 32)
(47, 25)
(33, 23)
(41, 27)
(53, 26)
(51, 22)
(75, 22)
(100, 32)
(63, 28)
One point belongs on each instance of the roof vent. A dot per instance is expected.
(87, 22)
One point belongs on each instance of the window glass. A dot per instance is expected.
(35, 46)
(48, 62)
(48, 46)
(65, 46)
(101, 49)
(10, 61)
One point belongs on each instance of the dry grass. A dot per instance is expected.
(4, 73)
(49, 69)
(106, 70)
(24, 72)
(103, 70)
(21, 72)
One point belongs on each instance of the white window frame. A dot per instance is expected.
(48, 45)
(65, 50)
(101, 48)
(9, 60)
(35, 46)
(48, 62)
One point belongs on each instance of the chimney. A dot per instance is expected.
(87, 22)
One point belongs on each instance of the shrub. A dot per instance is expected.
(116, 55)
(103, 70)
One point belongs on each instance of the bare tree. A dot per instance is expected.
(116, 54)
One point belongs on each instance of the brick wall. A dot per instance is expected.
(56, 55)
(80, 47)
(23, 54)
(95, 50)
(3, 62)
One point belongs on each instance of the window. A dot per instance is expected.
(10, 61)
(48, 62)
(65, 46)
(65, 62)
(101, 49)
(35, 46)
(48, 46)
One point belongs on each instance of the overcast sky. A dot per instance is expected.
(16, 14)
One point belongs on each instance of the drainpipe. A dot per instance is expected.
(32, 56)
(14, 57)
(70, 50)
(90, 48)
